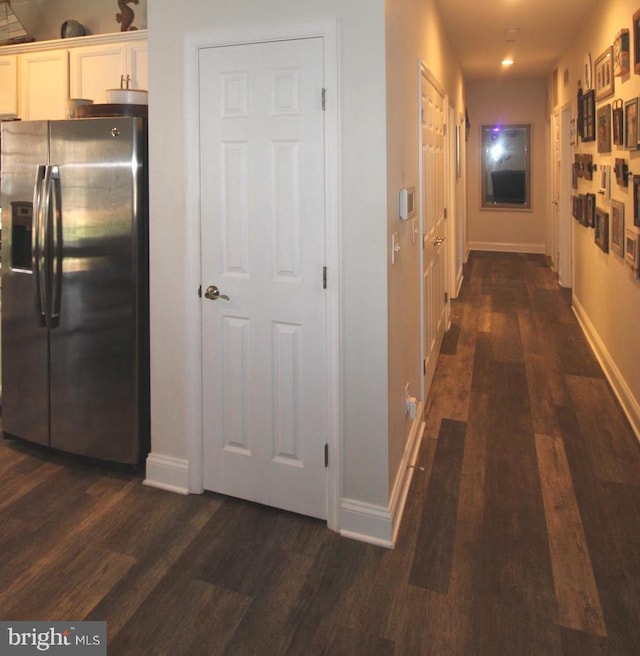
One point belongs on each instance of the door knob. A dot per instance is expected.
(437, 241)
(213, 293)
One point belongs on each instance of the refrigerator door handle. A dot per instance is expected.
(56, 246)
(37, 244)
(45, 222)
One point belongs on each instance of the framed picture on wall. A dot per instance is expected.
(636, 200)
(605, 180)
(589, 116)
(617, 122)
(631, 249)
(622, 172)
(631, 124)
(590, 210)
(636, 41)
(621, 53)
(602, 230)
(603, 74)
(617, 227)
(604, 129)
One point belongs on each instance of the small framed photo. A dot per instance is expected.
(584, 218)
(603, 73)
(587, 166)
(604, 129)
(589, 116)
(617, 227)
(575, 207)
(589, 210)
(636, 200)
(621, 53)
(631, 124)
(605, 180)
(622, 172)
(602, 230)
(636, 41)
(631, 249)
(617, 122)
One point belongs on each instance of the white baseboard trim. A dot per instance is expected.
(500, 247)
(366, 522)
(459, 284)
(167, 473)
(376, 524)
(622, 391)
(404, 476)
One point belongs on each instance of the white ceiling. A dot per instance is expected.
(477, 32)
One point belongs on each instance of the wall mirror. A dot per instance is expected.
(506, 167)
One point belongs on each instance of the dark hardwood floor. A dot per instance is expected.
(521, 534)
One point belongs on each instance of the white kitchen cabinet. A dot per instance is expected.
(9, 85)
(44, 84)
(93, 69)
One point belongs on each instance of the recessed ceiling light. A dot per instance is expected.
(507, 62)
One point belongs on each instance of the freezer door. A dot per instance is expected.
(94, 348)
(25, 391)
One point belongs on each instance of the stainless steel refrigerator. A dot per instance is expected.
(75, 364)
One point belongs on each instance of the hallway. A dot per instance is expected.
(521, 533)
(534, 455)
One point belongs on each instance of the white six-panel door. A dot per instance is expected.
(263, 245)
(433, 188)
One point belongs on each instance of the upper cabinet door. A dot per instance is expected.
(44, 84)
(94, 69)
(9, 85)
(138, 64)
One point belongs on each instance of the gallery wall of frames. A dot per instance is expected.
(598, 83)
(610, 118)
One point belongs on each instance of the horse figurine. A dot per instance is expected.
(125, 16)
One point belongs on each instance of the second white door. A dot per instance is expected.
(433, 188)
(263, 246)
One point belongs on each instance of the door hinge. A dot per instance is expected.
(324, 277)
(324, 100)
(446, 297)
(444, 129)
(326, 455)
(445, 213)
(424, 367)
(200, 291)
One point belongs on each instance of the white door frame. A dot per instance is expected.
(226, 37)
(554, 142)
(452, 209)
(423, 71)
(565, 220)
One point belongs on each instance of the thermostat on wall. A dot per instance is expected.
(407, 203)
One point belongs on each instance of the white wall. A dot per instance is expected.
(606, 292)
(175, 342)
(42, 19)
(508, 102)
(413, 32)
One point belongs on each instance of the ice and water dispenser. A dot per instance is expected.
(21, 227)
